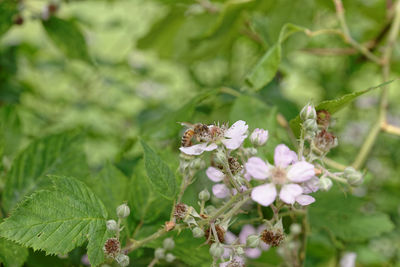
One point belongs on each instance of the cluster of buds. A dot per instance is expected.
(161, 253)
(309, 117)
(112, 247)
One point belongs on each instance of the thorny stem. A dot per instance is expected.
(224, 207)
(229, 172)
(381, 121)
(138, 243)
(301, 145)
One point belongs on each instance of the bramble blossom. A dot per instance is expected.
(232, 138)
(287, 176)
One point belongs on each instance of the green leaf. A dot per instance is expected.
(112, 186)
(333, 106)
(342, 216)
(266, 68)
(10, 131)
(59, 220)
(160, 175)
(12, 254)
(56, 154)
(146, 204)
(8, 8)
(67, 37)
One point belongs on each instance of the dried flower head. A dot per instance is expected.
(180, 211)
(112, 247)
(220, 233)
(272, 237)
(323, 118)
(325, 141)
(234, 165)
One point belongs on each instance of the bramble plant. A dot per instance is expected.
(271, 158)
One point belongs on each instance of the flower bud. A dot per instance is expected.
(216, 250)
(253, 241)
(353, 176)
(239, 251)
(310, 126)
(170, 257)
(220, 157)
(122, 260)
(204, 195)
(123, 211)
(198, 232)
(112, 225)
(259, 137)
(169, 244)
(210, 209)
(325, 183)
(308, 112)
(295, 228)
(159, 253)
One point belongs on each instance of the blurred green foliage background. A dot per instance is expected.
(120, 70)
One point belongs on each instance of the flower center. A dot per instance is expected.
(278, 176)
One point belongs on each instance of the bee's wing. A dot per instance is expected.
(186, 124)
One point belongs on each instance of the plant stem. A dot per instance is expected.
(381, 121)
(347, 37)
(395, 130)
(153, 262)
(224, 207)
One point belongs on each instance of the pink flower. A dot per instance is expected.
(259, 137)
(232, 138)
(288, 174)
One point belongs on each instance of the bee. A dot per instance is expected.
(199, 131)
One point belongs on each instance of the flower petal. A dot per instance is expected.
(235, 142)
(257, 168)
(264, 194)
(237, 129)
(289, 193)
(247, 230)
(220, 191)
(305, 200)
(283, 156)
(198, 148)
(311, 185)
(253, 253)
(300, 172)
(215, 174)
